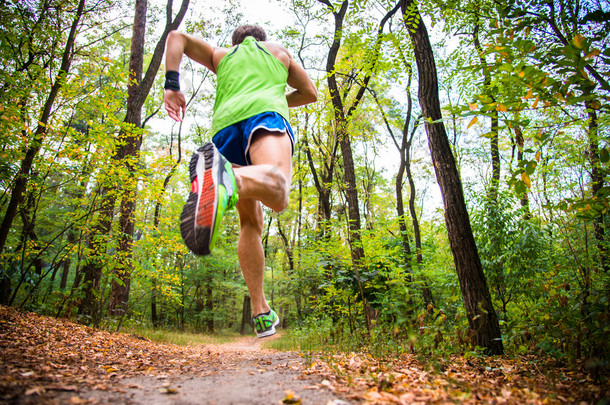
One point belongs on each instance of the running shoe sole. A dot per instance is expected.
(201, 216)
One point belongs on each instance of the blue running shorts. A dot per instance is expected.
(234, 141)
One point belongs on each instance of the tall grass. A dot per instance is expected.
(180, 338)
(317, 335)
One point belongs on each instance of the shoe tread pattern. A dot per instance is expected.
(197, 239)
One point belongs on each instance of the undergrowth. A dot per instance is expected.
(180, 338)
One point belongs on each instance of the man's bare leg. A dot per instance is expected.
(250, 252)
(267, 180)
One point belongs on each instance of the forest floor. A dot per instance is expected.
(53, 361)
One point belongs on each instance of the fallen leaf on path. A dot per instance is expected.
(291, 398)
(41, 354)
(60, 387)
(37, 390)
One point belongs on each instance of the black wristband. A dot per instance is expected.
(172, 81)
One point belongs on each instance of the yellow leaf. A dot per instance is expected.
(593, 53)
(473, 121)
(529, 94)
(536, 102)
(584, 74)
(521, 74)
(526, 179)
(538, 155)
(291, 398)
(501, 107)
(577, 40)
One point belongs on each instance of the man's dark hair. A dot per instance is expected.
(244, 31)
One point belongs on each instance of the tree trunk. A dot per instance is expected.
(246, 315)
(356, 249)
(425, 289)
(597, 182)
(322, 179)
(520, 146)
(494, 148)
(342, 118)
(5, 290)
(404, 150)
(119, 295)
(482, 318)
(67, 262)
(23, 175)
(126, 154)
(209, 306)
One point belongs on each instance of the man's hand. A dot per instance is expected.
(175, 104)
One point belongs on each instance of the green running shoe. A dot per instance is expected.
(213, 191)
(265, 324)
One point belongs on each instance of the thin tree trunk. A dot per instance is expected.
(597, 182)
(404, 150)
(246, 315)
(425, 289)
(209, 306)
(342, 117)
(520, 147)
(494, 142)
(125, 155)
(356, 249)
(599, 226)
(482, 318)
(129, 153)
(23, 175)
(323, 179)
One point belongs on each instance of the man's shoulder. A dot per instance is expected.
(220, 51)
(278, 51)
(274, 46)
(218, 54)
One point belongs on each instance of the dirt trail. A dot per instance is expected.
(53, 361)
(247, 374)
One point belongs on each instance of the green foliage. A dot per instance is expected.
(543, 262)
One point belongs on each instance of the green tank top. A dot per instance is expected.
(250, 81)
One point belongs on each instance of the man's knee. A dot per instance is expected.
(278, 181)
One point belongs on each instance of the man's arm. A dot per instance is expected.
(179, 44)
(305, 91)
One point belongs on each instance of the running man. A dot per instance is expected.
(250, 155)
